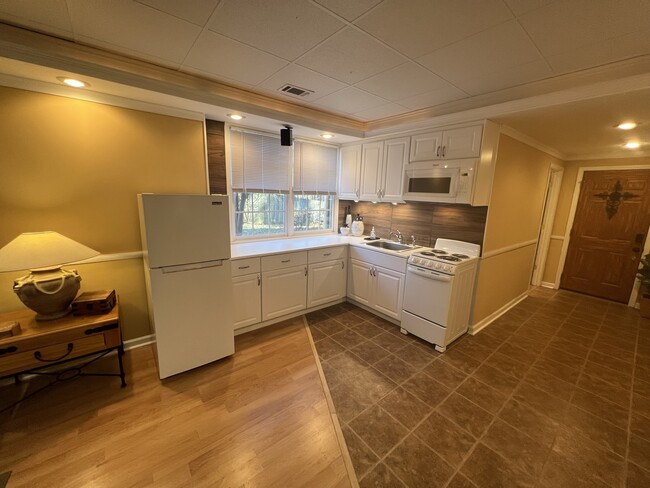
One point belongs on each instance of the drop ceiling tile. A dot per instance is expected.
(305, 78)
(219, 78)
(222, 57)
(402, 81)
(347, 9)
(50, 16)
(433, 98)
(424, 26)
(133, 26)
(287, 29)
(350, 100)
(487, 82)
(197, 11)
(570, 24)
(388, 110)
(487, 54)
(520, 7)
(603, 52)
(350, 56)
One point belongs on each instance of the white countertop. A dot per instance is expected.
(289, 244)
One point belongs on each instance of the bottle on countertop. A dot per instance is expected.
(357, 226)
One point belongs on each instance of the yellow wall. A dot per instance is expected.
(75, 167)
(567, 189)
(514, 216)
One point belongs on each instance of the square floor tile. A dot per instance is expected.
(417, 466)
(378, 430)
(445, 437)
(405, 407)
(468, 415)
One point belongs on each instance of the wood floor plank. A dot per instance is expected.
(259, 418)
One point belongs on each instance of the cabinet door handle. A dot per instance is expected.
(39, 356)
(342, 264)
(259, 280)
(327, 254)
(438, 152)
(443, 151)
(244, 267)
(8, 350)
(305, 270)
(286, 260)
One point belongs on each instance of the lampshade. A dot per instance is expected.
(34, 250)
(48, 289)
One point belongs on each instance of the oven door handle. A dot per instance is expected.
(433, 275)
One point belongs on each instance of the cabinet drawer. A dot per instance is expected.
(286, 260)
(245, 266)
(377, 258)
(327, 254)
(21, 361)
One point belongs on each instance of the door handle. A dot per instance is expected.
(438, 152)
(305, 270)
(638, 239)
(342, 264)
(259, 280)
(443, 151)
(636, 249)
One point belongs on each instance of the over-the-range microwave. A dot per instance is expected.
(439, 181)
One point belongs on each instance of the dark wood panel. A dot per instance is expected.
(216, 156)
(426, 221)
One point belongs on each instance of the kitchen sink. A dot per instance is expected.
(391, 246)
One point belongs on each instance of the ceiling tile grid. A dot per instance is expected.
(366, 59)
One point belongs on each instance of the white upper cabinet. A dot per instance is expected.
(371, 170)
(449, 144)
(349, 184)
(380, 169)
(396, 153)
(425, 147)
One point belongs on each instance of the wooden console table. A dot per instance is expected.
(42, 344)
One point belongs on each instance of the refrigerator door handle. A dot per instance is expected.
(193, 266)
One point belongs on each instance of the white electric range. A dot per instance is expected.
(439, 290)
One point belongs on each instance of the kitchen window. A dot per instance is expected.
(281, 190)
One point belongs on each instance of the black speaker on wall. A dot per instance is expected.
(286, 136)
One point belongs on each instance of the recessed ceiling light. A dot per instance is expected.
(327, 135)
(235, 116)
(632, 145)
(627, 125)
(73, 82)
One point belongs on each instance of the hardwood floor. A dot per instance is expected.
(258, 419)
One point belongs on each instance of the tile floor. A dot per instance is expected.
(554, 393)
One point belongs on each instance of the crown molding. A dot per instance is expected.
(31, 47)
(521, 137)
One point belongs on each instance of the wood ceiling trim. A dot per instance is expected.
(25, 45)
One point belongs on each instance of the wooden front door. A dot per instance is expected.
(608, 234)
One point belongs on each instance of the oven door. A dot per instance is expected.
(427, 294)
(431, 184)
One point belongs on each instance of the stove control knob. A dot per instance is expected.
(447, 267)
(437, 265)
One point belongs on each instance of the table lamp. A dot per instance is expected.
(47, 289)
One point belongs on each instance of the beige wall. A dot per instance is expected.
(75, 167)
(567, 189)
(514, 216)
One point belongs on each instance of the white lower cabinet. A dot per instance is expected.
(284, 291)
(247, 299)
(379, 288)
(326, 282)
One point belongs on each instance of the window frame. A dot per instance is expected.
(289, 213)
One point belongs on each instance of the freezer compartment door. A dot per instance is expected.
(184, 229)
(192, 315)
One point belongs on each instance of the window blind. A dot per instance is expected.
(315, 168)
(259, 163)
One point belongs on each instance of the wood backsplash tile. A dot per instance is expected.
(425, 221)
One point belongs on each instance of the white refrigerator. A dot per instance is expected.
(186, 244)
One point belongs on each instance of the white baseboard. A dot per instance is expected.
(139, 342)
(547, 284)
(482, 324)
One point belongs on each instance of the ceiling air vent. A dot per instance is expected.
(296, 91)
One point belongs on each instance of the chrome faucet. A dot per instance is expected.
(413, 241)
(397, 234)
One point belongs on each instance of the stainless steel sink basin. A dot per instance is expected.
(391, 246)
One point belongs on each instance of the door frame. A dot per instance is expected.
(555, 176)
(572, 214)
